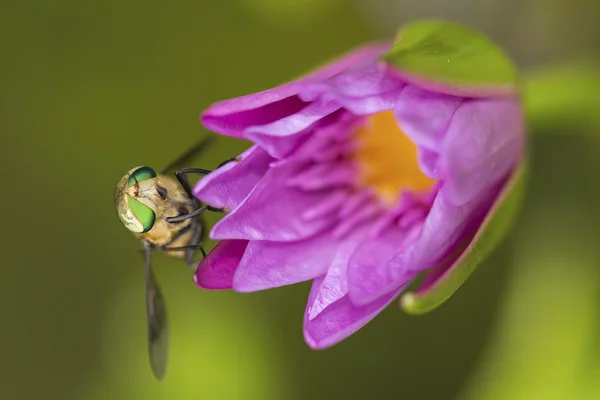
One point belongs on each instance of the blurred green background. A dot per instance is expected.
(91, 89)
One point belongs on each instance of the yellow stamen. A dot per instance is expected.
(388, 158)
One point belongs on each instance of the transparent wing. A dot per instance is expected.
(186, 158)
(158, 329)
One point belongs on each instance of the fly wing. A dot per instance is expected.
(158, 329)
(186, 158)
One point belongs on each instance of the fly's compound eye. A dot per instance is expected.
(143, 215)
(135, 215)
(141, 174)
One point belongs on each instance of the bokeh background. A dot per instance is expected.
(90, 89)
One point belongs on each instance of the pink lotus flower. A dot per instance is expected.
(361, 177)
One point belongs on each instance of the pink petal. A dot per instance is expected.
(481, 146)
(335, 283)
(364, 216)
(340, 319)
(235, 123)
(216, 270)
(269, 264)
(282, 136)
(461, 250)
(429, 162)
(286, 206)
(325, 176)
(362, 91)
(445, 224)
(329, 135)
(424, 117)
(231, 117)
(229, 185)
(332, 289)
(273, 211)
(368, 275)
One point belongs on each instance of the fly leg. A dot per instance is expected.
(187, 157)
(182, 174)
(199, 232)
(189, 257)
(183, 217)
(227, 161)
(182, 177)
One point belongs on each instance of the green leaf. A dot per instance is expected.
(492, 231)
(451, 58)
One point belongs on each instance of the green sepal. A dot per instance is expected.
(493, 229)
(452, 59)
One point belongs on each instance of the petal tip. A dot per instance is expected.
(244, 284)
(205, 279)
(313, 343)
(216, 271)
(208, 285)
(361, 298)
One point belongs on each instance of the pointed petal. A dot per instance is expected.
(362, 91)
(282, 136)
(286, 205)
(443, 228)
(335, 283)
(216, 270)
(235, 123)
(482, 144)
(333, 288)
(230, 184)
(424, 115)
(269, 264)
(273, 211)
(232, 117)
(368, 274)
(340, 319)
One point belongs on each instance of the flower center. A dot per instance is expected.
(388, 158)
